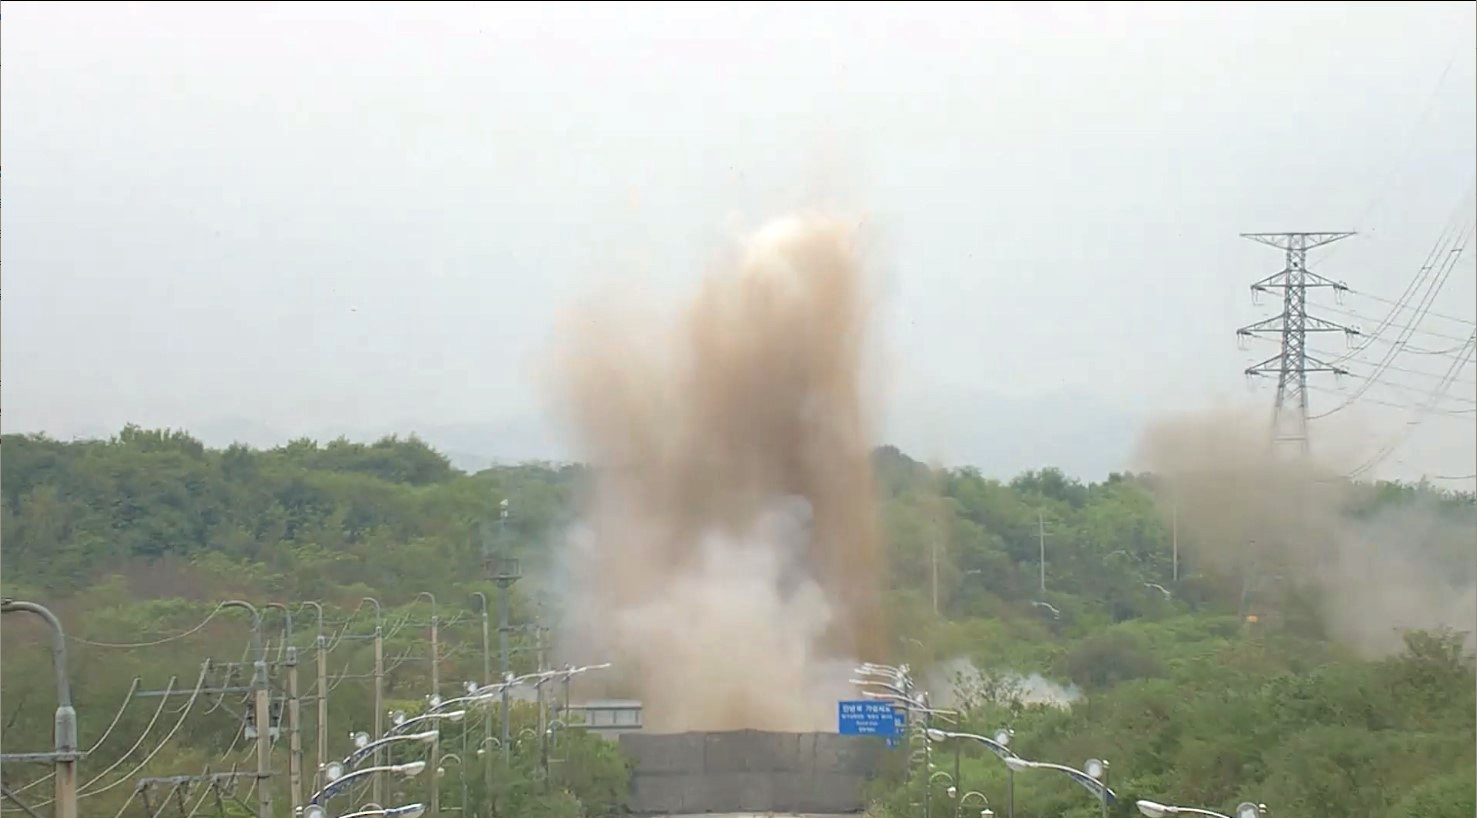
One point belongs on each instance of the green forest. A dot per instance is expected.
(1200, 687)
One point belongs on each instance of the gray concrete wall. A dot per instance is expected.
(749, 771)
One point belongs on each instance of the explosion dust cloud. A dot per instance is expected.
(1281, 524)
(728, 556)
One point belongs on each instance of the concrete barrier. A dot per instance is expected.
(749, 771)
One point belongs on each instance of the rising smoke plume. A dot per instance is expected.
(728, 552)
(1283, 526)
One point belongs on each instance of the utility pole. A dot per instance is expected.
(263, 711)
(64, 723)
(435, 761)
(321, 644)
(1292, 363)
(378, 789)
(935, 561)
(1041, 537)
(504, 664)
(505, 572)
(486, 680)
(294, 724)
(294, 732)
(543, 717)
(1174, 538)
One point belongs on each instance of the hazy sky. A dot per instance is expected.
(263, 220)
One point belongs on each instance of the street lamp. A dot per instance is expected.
(336, 777)
(400, 724)
(407, 811)
(1093, 779)
(928, 787)
(492, 741)
(1047, 606)
(912, 705)
(997, 745)
(984, 802)
(364, 747)
(461, 775)
(65, 754)
(1246, 809)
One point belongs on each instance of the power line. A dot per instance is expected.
(1416, 127)
(118, 716)
(1420, 373)
(154, 643)
(1434, 287)
(199, 683)
(1436, 393)
(1434, 257)
(1432, 313)
(1414, 330)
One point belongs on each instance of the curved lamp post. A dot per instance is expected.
(550, 729)
(984, 802)
(338, 779)
(490, 741)
(486, 680)
(364, 747)
(65, 753)
(435, 693)
(997, 745)
(401, 725)
(461, 775)
(369, 811)
(262, 708)
(320, 688)
(1093, 779)
(950, 791)
(294, 738)
(1246, 809)
(918, 705)
(407, 811)
(1047, 606)
(378, 783)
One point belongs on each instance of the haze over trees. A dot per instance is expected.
(137, 538)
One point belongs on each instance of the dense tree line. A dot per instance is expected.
(139, 536)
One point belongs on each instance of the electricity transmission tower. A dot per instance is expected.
(1293, 363)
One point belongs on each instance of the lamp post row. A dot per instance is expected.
(66, 754)
(897, 686)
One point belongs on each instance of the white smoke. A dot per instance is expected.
(958, 683)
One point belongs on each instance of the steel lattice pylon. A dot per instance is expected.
(1293, 363)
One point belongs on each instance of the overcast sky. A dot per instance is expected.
(264, 220)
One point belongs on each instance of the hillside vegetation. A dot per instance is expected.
(1203, 691)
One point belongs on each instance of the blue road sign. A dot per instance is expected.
(866, 717)
(899, 726)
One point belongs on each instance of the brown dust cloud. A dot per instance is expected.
(728, 558)
(1282, 526)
